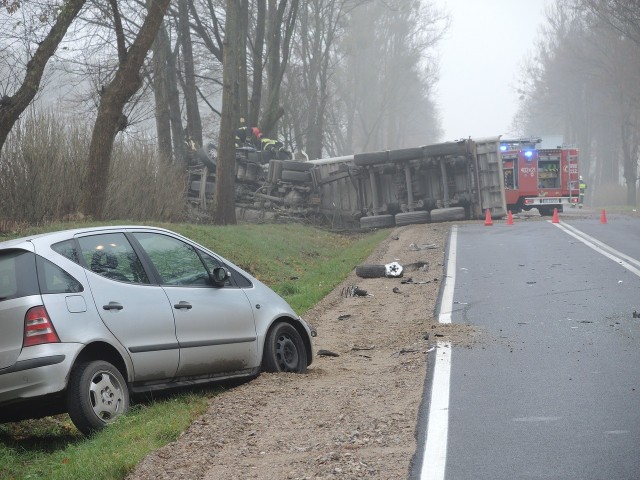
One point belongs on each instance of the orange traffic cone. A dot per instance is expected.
(555, 216)
(487, 219)
(603, 217)
(509, 218)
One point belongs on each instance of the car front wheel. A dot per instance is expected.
(97, 394)
(284, 350)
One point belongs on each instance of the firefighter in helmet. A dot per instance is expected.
(582, 186)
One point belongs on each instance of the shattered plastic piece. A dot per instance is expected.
(344, 317)
(396, 290)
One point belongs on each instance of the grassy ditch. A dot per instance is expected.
(301, 263)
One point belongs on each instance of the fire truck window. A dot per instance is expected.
(549, 173)
(508, 179)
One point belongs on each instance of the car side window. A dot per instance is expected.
(67, 249)
(176, 262)
(112, 256)
(53, 279)
(18, 276)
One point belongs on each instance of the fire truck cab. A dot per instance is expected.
(545, 179)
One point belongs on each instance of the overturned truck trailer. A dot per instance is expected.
(433, 183)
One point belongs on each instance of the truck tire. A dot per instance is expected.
(295, 166)
(408, 218)
(377, 158)
(450, 214)
(371, 271)
(377, 221)
(293, 176)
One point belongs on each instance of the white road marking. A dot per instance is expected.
(611, 253)
(434, 460)
(446, 305)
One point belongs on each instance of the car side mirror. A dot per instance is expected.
(219, 276)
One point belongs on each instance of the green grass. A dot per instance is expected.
(301, 263)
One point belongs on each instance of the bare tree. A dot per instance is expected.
(115, 95)
(12, 106)
(280, 28)
(194, 123)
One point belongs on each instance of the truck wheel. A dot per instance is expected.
(377, 221)
(408, 218)
(97, 394)
(447, 214)
(294, 176)
(297, 166)
(371, 271)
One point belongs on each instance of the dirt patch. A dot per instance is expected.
(353, 415)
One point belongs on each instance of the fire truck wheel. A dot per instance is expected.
(293, 176)
(545, 211)
(377, 221)
(371, 271)
(297, 166)
(408, 218)
(447, 214)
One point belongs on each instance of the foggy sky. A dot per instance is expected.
(479, 62)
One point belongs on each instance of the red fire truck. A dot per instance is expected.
(539, 178)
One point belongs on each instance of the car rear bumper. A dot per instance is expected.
(39, 370)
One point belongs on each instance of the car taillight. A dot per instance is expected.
(38, 328)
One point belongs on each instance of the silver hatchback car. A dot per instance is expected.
(89, 316)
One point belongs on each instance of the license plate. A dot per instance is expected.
(549, 200)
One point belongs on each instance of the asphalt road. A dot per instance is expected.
(552, 388)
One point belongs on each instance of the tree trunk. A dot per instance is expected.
(161, 95)
(224, 208)
(11, 107)
(109, 119)
(243, 93)
(194, 123)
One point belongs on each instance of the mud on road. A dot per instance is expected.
(351, 416)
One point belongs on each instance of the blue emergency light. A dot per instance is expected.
(528, 153)
(503, 148)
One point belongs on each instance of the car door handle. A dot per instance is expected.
(113, 306)
(181, 305)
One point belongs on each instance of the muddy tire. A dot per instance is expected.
(371, 271)
(377, 221)
(97, 394)
(294, 176)
(284, 350)
(409, 218)
(448, 214)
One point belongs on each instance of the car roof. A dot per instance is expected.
(59, 235)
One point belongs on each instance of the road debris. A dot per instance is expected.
(327, 353)
(354, 291)
(417, 267)
(416, 247)
(344, 317)
(396, 290)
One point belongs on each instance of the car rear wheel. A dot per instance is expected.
(97, 394)
(284, 350)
